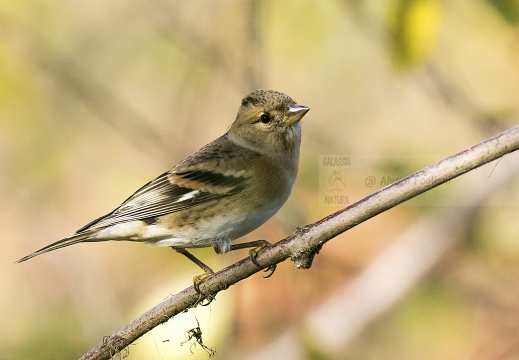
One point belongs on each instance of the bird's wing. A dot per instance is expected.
(211, 173)
(171, 192)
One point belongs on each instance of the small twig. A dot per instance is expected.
(302, 246)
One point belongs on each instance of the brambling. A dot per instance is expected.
(223, 191)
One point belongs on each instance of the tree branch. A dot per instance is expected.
(304, 244)
(328, 329)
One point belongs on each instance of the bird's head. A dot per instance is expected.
(268, 123)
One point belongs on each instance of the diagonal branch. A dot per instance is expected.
(304, 244)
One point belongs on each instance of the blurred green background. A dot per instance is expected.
(99, 97)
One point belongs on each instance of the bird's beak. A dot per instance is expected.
(295, 113)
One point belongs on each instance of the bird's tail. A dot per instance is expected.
(74, 239)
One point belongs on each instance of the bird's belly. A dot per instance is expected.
(217, 231)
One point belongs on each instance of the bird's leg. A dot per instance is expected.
(197, 280)
(257, 246)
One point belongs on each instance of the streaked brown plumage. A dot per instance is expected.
(223, 191)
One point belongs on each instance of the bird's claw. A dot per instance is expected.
(253, 253)
(199, 279)
(271, 270)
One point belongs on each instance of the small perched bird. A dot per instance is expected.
(222, 192)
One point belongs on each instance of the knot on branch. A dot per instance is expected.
(304, 257)
(303, 250)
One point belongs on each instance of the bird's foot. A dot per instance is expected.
(253, 253)
(199, 279)
(205, 299)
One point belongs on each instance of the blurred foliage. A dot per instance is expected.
(97, 98)
(508, 9)
(416, 30)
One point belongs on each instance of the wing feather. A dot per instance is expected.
(164, 196)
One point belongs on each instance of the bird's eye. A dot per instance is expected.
(265, 118)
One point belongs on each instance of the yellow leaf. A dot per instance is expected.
(416, 30)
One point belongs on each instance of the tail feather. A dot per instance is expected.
(74, 239)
